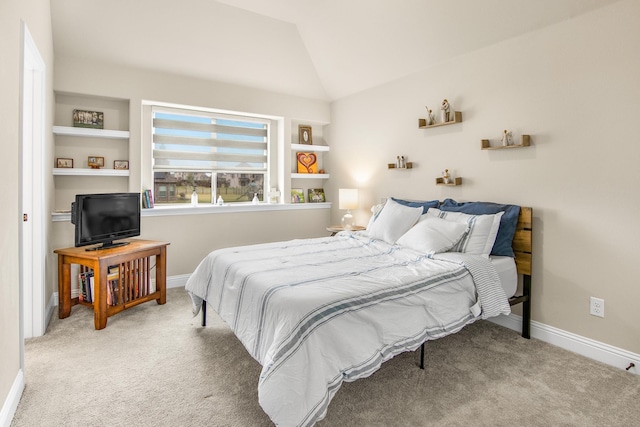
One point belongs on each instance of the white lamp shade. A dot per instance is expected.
(348, 198)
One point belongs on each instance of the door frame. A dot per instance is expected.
(32, 230)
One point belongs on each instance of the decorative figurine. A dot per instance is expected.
(506, 138)
(431, 120)
(445, 176)
(446, 109)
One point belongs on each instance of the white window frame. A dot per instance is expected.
(272, 174)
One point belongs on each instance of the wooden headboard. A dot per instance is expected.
(522, 242)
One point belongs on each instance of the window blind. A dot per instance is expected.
(195, 141)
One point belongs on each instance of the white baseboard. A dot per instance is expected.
(51, 306)
(177, 281)
(11, 402)
(592, 349)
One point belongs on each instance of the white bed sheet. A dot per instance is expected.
(317, 312)
(508, 273)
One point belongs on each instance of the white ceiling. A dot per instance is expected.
(324, 49)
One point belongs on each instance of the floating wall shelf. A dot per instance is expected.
(457, 118)
(525, 142)
(456, 181)
(393, 166)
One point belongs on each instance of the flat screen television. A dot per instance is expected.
(104, 218)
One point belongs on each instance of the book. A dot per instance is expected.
(149, 198)
(145, 200)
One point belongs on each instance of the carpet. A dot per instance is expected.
(156, 366)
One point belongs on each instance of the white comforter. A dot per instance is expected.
(317, 312)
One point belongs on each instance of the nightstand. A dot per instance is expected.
(333, 229)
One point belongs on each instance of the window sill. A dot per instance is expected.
(168, 210)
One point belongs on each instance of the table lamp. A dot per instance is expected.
(348, 199)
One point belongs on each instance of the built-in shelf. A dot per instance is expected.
(525, 142)
(310, 175)
(89, 172)
(456, 181)
(309, 148)
(409, 165)
(457, 118)
(90, 132)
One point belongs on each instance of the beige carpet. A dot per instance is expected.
(155, 366)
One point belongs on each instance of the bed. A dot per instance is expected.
(317, 312)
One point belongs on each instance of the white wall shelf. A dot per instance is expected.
(89, 132)
(310, 175)
(309, 148)
(89, 172)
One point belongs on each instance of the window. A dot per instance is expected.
(213, 154)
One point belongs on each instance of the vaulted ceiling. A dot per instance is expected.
(324, 49)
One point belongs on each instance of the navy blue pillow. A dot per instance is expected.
(508, 222)
(424, 205)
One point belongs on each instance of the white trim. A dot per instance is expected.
(10, 405)
(177, 281)
(587, 347)
(184, 209)
(32, 232)
(51, 306)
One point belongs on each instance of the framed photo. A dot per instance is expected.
(316, 195)
(95, 162)
(297, 195)
(304, 134)
(64, 163)
(121, 164)
(88, 119)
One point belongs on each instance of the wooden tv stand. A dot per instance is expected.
(133, 277)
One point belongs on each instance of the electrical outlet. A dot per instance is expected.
(596, 307)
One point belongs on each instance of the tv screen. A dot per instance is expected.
(104, 218)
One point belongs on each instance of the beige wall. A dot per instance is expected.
(575, 88)
(35, 13)
(191, 236)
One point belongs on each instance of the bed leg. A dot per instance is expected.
(422, 356)
(526, 305)
(204, 313)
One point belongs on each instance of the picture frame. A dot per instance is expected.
(88, 119)
(316, 195)
(64, 163)
(297, 195)
(95, 162)
(307, 162)
(121, 164)
(305, 135)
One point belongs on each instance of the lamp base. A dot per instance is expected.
(348, 221)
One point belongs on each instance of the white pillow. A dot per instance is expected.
(433, 235)
(483, 230)
(393, 221)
